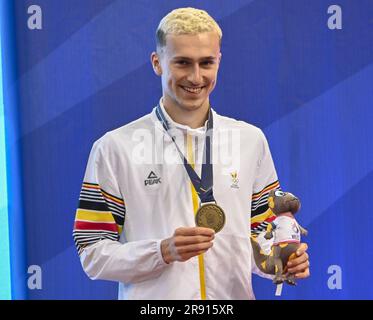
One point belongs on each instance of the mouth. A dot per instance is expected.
(193, 90)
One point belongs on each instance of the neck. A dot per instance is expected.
(192, 118)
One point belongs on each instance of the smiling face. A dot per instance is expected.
(188, 65)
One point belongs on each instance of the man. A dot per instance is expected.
(136, 218)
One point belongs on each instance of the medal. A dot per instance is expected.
(211, 216)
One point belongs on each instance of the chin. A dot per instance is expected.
(191, 104)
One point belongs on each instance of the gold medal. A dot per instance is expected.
(210, 216)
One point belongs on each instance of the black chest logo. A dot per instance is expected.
(152, 179)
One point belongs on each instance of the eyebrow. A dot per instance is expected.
(189, 59)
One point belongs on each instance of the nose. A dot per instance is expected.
(195, 76)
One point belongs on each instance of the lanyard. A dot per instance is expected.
(204, 184)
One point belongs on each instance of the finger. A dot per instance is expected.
(194, 231)
(296, 261)
(299, 268)
(194, 247)
(302, 249)
(302, 275)
(185, 240)
(189, 255)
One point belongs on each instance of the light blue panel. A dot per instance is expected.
(12, 114)
(5, 282)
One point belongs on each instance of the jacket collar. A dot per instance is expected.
(178, 126)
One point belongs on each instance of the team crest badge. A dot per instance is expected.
(235, 180)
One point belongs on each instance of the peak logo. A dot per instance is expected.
(152, 179)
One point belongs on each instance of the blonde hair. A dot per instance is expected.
(185, 21)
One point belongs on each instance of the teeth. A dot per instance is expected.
(193, 90)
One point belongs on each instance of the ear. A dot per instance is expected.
(156, 63)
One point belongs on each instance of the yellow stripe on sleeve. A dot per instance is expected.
(95, 216)
(261, 217)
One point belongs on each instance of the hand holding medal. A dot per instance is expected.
(187, 242)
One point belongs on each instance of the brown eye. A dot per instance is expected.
(207, 63)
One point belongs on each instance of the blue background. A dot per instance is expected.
(88, 71)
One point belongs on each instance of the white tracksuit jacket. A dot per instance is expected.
(136, 192)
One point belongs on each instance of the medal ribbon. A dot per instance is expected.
(204, 184)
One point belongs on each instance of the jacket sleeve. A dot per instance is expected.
(99, 223)
(265, 181)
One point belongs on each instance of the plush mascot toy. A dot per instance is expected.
(285, 232)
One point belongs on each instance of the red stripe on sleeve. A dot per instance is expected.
(80, 225)
(269, 220)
